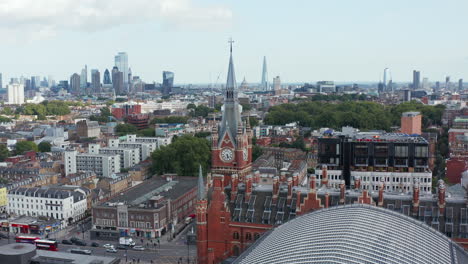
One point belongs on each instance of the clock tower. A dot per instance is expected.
(232, 139)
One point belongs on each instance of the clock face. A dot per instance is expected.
(227, 155)
(245, 154)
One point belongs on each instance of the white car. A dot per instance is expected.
(108, 246)
(111, 250)
(139, 248)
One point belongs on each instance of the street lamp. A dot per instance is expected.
(188, 251)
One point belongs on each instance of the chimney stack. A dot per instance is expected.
(312, 182)
(324, 176)
(342, 192)
(415, 196)
(275, 189)
(441, 192)
(289, 190)
(327, 199)
(295, 180)
(248, 187)
(381, 194)
(357, 182)
(234, 187)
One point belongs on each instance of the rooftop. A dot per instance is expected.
(154, 187)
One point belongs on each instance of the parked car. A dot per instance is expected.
(108, 246)
(80, 251)
(79, 243)
(94, 244)
(111, 250)
(73, 239)
(121, 247)
(3, 235)
(67, 242)
(139, 248)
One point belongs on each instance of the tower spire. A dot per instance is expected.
(201, 185)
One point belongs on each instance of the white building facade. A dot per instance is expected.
(15, 94)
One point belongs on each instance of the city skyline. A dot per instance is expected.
(356, 48)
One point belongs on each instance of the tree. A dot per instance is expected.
(24, 146)
(4, 152)
(201, 110)
(4, 119)
(148, 132)
(191, 106)
(7, 111)
(44, 146)
(125, 129)
(183, 156)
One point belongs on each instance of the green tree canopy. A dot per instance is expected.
(24, 146)
(4, 119)
(125, 129)
(183, 156)
(45, 108)
(44, 146)
(201, 110)
(4, 152)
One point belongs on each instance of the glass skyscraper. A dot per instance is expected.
(121, 62)
(168, 82)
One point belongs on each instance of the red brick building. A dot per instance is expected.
(138, 120)
(411, 123)
(126, 110)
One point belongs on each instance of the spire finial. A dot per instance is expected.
(230, 42)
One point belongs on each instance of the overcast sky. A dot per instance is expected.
(304, 40)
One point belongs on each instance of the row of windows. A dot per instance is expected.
(248, 236)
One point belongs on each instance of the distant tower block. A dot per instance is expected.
(411, 123)
(265, 86)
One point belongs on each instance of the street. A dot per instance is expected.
(173, 252)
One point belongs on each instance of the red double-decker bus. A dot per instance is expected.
(26, 239)
(46, 244)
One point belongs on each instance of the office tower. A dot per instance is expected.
(33, 83)
(121, 61)
(277, 85)
(386, 78)
(168, 82)
(118, 81)
(129, 78)
(460, 85)
(411, 123)
(107, 78)
(416, 79)
(75, 84)
(425, 83)
(84, 78)
(437, 88)
(96, 81)
(50, 81)
(380, 87)
(1, 81)
(264, 84)
(27, 84)
(15, 94)
(447, 82)
(115, 69)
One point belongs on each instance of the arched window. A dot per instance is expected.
(235, 235)
(248, 236)
(235, 251)
(256, 236)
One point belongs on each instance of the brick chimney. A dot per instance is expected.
(324, 176)
(357, 182)
(248, 187)
(342, 192)
(298, 198)
(415, 196)
(283, 176)
(312, 182)
(441, 193)
(381, 194)
(295, 180)
(289, 189)
(234, 186)
(327, 200)
(275, 189)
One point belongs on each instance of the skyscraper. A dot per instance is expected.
(121, 61)
(386, 78)
(277, 85)
(95, 81)
(460, 85)
(84, 79)
(107, 78)
(75, 83)
(15, 93)
(416, 79)
(129, 80)
(118, 81)
(168, 82)
(264, 85)
(1, 81)
(447, 82)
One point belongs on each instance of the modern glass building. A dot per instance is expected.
(168, 82)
